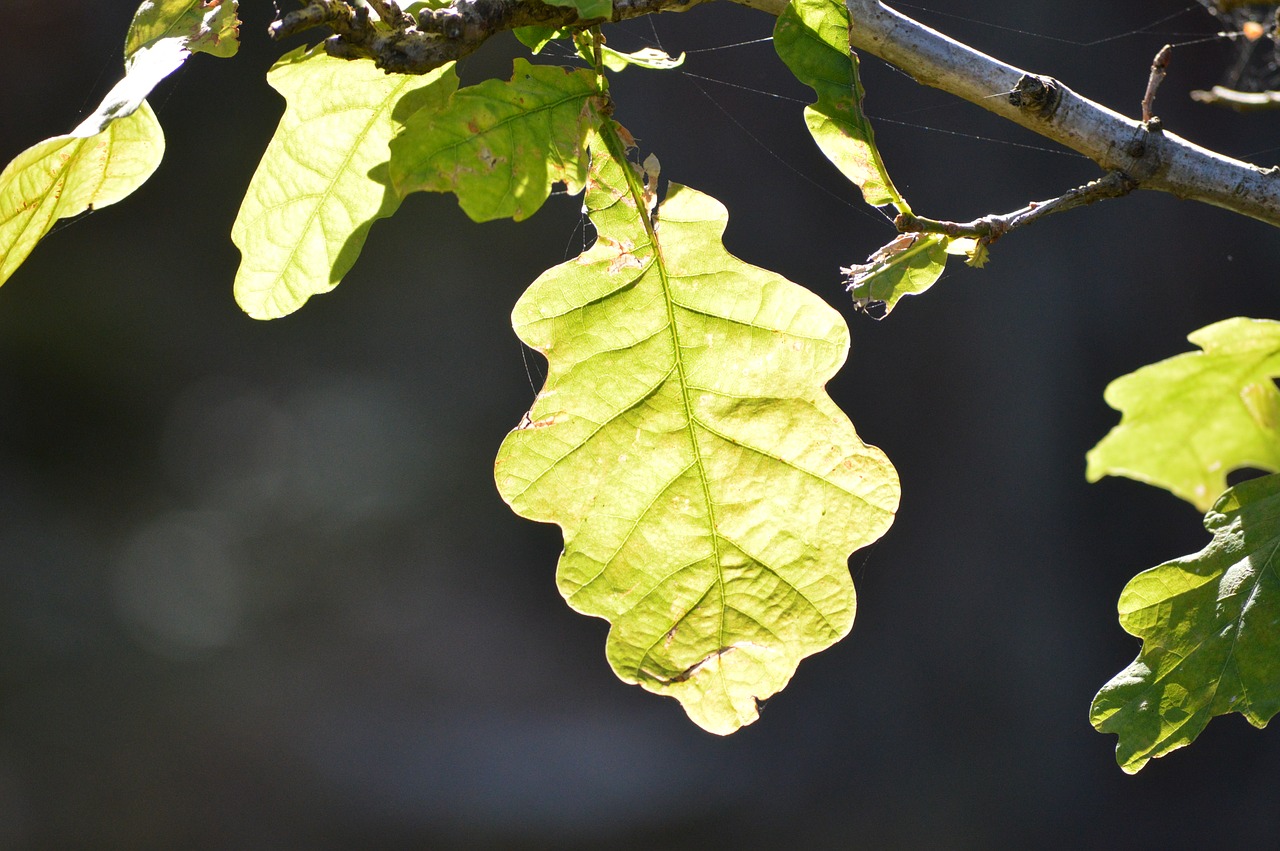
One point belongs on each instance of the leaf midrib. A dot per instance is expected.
(330, 189)
(686, 399)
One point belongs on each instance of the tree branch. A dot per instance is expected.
(439, 36)
(1144, 152)
(1156, 159)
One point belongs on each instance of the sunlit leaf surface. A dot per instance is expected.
(1190, 420)
(709, 490)
(812, 38)
(649, 57)
(114, 150)
(164, 33)
(908, 265)
(1210, 627)
(203, 26)
(323, 180)
(68, 175)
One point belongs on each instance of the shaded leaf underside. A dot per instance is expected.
(501, 145)
(1210, 626)
(709, 490)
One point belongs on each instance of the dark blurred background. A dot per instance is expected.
(257, 588)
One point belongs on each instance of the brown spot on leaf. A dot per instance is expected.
(624, 259)
(528, 422)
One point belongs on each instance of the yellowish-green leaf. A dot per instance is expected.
(812, 38)
(67, 175)
(709, 490)
(323, 181)
(651, 58)
(1210, 630)
(977, 252)
(1188, 421)
(117, 147)
(648, 57)
(163, 35)
(588, 10)
(501, 145)
(537, 38)
(908, 265)
(201, 26)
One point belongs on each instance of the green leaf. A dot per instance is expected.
(323, 181)
(1190, 420)
(588, 10)
(908, 265)
(651, 58)
(415, 8)
(67, 175)
(1210, 627)
(648, 57)
(200, 26)
(537, 38)
(812, 38)
(709, 490)
(100, 163)
(501, 145)
(163, 35)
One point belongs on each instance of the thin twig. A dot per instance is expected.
(1238, 100)
(990, 228)
(1159, 68)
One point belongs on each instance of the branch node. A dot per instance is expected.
(1037, 95)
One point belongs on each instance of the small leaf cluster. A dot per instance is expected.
(1209, 622)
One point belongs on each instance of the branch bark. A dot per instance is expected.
(1144, 152)
(1154, 158)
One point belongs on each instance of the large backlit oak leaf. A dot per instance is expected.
(323, 180)
(500, 145)
(709, 490)
(1190, 420)
(1210, 630)
(812, 38)
(68, 175)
